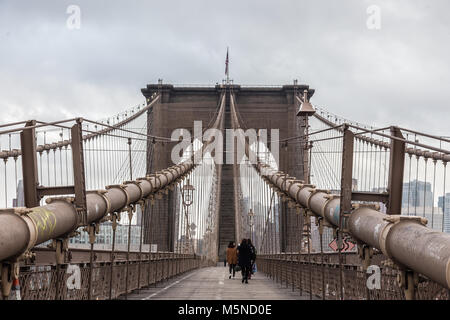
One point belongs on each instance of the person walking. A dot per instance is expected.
(252, 257)
(232, 257)
(244, 257)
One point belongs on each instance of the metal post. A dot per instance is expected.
(300, 259)
(346, 195)
(130, 216)
(78, 172)
(29, 165)
(308, 234)
(149, 210)
(346, 178)
(142, 206)
(57, 271)
(365, 254)
(299, 249)
(321, 226)
(91, 230)
(131, 163)
(111, 278)
(396, 166)
(60, 246)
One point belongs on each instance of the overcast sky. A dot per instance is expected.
(398, 74)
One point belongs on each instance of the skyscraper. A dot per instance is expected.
(444, 205)
(417, 194)
(19, 201)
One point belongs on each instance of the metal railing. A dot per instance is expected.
(320, 280)
(42, 280)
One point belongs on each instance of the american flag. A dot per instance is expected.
(226, 64)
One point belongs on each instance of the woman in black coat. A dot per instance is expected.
(252, 256)
(244, 257)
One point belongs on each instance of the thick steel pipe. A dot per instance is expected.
(406, 241)
(117, 197)
(422, 249)
(134, 192)
(54, 220)
(14, 235)
(59, 217)
(317, 201)
(146, 186)
(97, 205)
(367, 225)
(331, 211)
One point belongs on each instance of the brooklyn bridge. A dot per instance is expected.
(143, 204)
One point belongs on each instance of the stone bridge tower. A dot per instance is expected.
(261, 108)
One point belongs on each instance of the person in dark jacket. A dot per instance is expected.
(244, 257)
(252, 256)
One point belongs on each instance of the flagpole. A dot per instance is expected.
(227, 69)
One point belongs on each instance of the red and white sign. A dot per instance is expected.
(348, 245)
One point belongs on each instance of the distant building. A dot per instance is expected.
(436, 219)
(105, 235)
(444, 205)
(19, 201)
(354, 184)
(417, 194)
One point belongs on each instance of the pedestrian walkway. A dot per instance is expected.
(212, 283)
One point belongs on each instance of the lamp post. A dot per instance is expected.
(188, 198)
(305, 111)
(250, 222)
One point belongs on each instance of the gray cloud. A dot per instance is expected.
(396, 75)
